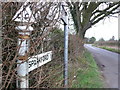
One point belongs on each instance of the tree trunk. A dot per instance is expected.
(81, 34)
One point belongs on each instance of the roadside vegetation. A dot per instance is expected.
(88, 76)
(108, 45)
(110, 49)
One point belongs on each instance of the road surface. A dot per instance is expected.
(108, 63)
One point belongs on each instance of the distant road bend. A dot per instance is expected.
(108, 62)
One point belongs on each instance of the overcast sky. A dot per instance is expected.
(104, 29)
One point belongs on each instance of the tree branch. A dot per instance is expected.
(105, 11)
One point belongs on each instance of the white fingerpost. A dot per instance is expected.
(26, 64)
(25, 17)
(22, 66)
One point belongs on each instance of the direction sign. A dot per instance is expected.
(39, 60)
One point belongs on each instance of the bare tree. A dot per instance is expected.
(87, 14)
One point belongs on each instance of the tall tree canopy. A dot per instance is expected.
(87, 14)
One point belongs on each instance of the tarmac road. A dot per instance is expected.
(108, 63)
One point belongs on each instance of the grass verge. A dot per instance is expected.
(89, 77)
(110, 49)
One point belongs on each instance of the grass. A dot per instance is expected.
(110, 49)
(90, 76)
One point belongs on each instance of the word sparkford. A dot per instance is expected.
(39, 60)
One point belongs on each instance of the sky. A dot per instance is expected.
(104, 29)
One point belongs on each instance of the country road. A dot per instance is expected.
(108, 63)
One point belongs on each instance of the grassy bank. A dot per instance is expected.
(89, 77)
(110, 49)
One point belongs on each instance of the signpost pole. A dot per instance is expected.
(66, 54)
(65, 20)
